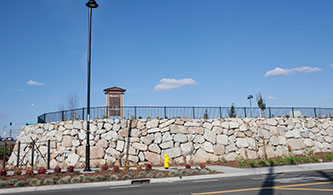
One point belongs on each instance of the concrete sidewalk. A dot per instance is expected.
(223, 173)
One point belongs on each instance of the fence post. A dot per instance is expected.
(62, 116)
(244, 112)
(82, 113)
(269, 112)
(165, 115)
(48, 153)
(32, 154)
(220, 112)
(4, 156)
(44, 117)
(18, 154)
(193, 113)
(292, 111)
(315, 112)
(135, 112)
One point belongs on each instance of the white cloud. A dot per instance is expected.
(31, 82)
(331, 65)
(281, 71)
(167, 84)
(272, 98)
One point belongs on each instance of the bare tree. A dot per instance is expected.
(261, 104)
(72, 101)
(71, 104)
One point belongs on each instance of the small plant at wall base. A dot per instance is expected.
(105, 167)
(148, 167)
(70, 169)
(29, 172)
(116, 168)
(41, 171)
(57, 169)
(3, 172)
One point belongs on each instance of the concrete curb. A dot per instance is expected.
(241, 172)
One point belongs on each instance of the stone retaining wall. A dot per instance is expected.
(184, 140)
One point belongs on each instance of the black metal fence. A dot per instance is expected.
(138, 112)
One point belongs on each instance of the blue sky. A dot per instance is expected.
(174, 52)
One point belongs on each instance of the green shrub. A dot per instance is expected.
(184, 172)
(106, 176)
(328, 157)
(126, 177)
(75, 180)
(4, 184)
(62, 181)
(173, 173)
(98, 178)
(87, 179)
(271, 162)
(138, 177)
(159, 175)
(34, 182)
(243, 164)
(49, 182)
(130, 174)
(194, 172)
(305, 160)
(240, 159)
(13, 181)
(81, 177)
(252, 163)
(150, 175)
(262, 163)
(55, 178)
(315, 159)
(114, 177)
(20, 184)
(142, 173)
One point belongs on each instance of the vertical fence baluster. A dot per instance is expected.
(135, 112)
(193, 113)
(292, 111)
(82, 113)
(269, 112)
(315, 112)
(244, 112)
(48, 153)
(165, 114)
(220, 112)
(62, 115)
(18, 154)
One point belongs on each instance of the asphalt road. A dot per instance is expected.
(311, 182)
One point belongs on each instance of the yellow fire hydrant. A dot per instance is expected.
(166, 161)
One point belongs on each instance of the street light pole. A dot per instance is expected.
(91, 4)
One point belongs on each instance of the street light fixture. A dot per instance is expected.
(249, 98)
(91, 4)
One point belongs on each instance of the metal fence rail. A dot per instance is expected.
(138, 112)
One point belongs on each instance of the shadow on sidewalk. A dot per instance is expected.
(269, 182)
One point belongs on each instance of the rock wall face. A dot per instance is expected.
(184, 140)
